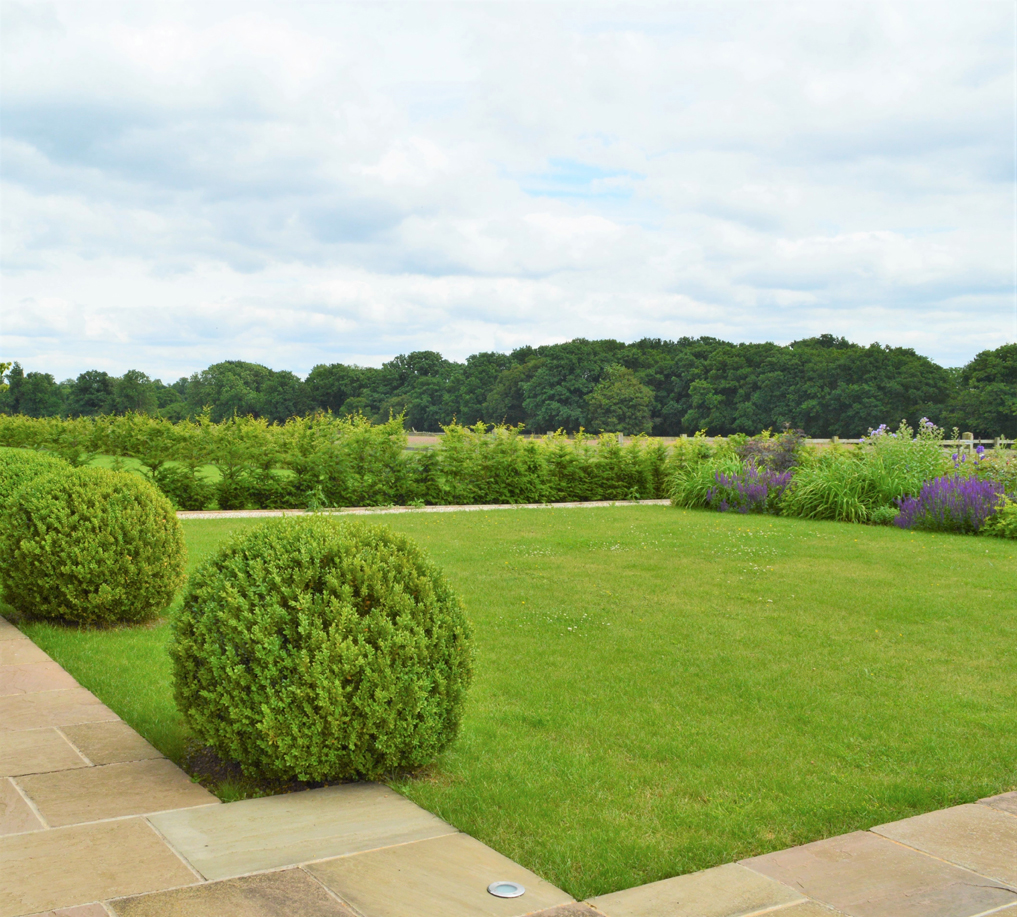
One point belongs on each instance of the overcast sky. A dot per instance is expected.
(299, 183)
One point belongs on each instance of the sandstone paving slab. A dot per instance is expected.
(65, 867)
(575, 909)
(9, 632)
(52, 708)
(30, 677)
(866, 875)
(84, 910)
(287, 893)
(979, 838)
(1006, 802)
(806, 909)
(36, 751)
(16, 815)
(21, 652)
(259, 834)
(442, 877)
(113, 791)
(724, 891)
(109, 743)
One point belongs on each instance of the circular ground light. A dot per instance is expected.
(505, 889)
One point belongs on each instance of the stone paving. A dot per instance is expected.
(94, 822)
(388, 510)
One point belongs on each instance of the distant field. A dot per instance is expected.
(660, 691)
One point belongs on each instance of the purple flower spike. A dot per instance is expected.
(755, 490)
(951, 504)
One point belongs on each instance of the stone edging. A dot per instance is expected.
(384, 510)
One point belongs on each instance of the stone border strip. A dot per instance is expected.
(383, 510)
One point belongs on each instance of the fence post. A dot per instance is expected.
(970, 446)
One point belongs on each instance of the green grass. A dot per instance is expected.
(659, 691)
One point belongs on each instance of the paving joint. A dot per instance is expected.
(931, 856)
(328, 891)
(179, 855)
(380, 847)
(63, 735)
(31, 805)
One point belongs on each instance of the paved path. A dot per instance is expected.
(383, 510)
(95, 822)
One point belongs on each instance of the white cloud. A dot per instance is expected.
(299, 183)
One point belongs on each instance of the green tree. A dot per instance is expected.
(555, 398)
(620, 403)
(852, 388)
(330, 386)
(134, 392)
(677, 365)
(33, 394)
(282, 396)
(985, 401)
(417, 383)
(235, 387)
(504, 404)
(91, 394)
(168, 399)
(471, 386)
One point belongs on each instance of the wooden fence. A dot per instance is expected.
(967, 443)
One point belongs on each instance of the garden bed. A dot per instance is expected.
(659, 690)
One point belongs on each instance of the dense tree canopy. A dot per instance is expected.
(620, 403)
(986, 395)
(90, 394)
(826, 385)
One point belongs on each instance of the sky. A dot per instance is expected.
(301, 183)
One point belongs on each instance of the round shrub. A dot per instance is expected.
(19, 466)
(321, 649)
(91, 546)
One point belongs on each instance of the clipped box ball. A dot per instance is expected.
(90, 546)
(320, 649)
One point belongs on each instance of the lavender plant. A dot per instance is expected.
(752, 490)
(953, 503)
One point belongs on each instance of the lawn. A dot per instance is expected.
(659, 691)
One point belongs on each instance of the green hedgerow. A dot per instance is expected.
(91, 546)
(321, 649)
(19, 466)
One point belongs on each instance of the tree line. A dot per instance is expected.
(824, 385)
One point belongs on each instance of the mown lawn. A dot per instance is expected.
(660, 691)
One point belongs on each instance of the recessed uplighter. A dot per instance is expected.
(505, 889)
